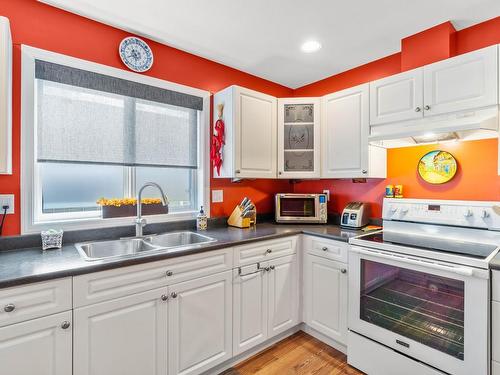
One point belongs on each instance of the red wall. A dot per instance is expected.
(477, 178)
(45, 27)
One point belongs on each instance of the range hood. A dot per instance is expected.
(467, 125)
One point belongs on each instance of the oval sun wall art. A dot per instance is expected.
(437, 167)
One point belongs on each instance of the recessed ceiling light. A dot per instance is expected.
(310, 46)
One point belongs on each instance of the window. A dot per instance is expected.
(96, 132)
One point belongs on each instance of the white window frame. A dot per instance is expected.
(31, 192)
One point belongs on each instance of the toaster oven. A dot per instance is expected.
(301, 208)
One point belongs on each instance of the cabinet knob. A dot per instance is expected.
(280, 173)
(173, 295)
(65, 324)
(427, 107)
(364, 171)
(272, 268)
(164, 297)
(343, 270)
(418, 109)
(10, 307)
(237, 171)
(269, 251)
(169, 273)
(324, 248)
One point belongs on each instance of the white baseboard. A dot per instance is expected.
(265, 345)
(259, 348)
(325, 339)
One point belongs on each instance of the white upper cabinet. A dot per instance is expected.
(463, 82)
(299, 138)
(251, 129)
(345, 128)
(5, 97)
(397, 98)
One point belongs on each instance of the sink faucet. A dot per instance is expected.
(139, 221)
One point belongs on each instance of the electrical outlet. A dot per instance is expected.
(217, 196)
(7, 200)
(327, 192)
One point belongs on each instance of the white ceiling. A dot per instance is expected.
(263, 37)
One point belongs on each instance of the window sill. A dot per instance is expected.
(96, 223)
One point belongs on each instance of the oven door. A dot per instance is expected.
(297, 208)
(435, 312)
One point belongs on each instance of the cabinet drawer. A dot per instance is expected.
(330, 249)
(22, 303)
(262, 251)
(106, 285)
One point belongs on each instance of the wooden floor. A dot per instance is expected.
(297, 354)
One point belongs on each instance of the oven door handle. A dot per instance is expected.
(463, 271)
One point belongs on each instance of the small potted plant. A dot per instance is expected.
(124, 207)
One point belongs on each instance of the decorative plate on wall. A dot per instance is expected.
(437, 167)
(136, 54)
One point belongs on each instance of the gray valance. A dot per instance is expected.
(77, 122)
(82, 78)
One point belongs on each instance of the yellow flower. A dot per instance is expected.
(118, 202)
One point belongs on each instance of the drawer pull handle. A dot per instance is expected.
(269, 251)
(324, 248)
(343, 270)
(65, 324)
(10, 307)
(164, 298)
(169, 273)
(173, 295)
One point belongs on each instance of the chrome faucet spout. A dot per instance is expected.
(139, 221)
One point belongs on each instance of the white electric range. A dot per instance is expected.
(419, 289)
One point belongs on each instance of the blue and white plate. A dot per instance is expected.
(136, 54)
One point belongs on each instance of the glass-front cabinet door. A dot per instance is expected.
(298, 138)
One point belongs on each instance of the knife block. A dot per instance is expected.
(235, 220)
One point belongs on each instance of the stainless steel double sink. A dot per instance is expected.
(132, 247)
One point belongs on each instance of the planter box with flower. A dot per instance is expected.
(128, 207)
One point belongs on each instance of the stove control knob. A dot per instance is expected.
(468, 213)
(404, 211)
(393, 209)
(485, 214)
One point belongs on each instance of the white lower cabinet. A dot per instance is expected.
(200, 324)
(39, 346)
(283, 294)
(125, 336)
(250, 307)
(266, 301)
(325, 297)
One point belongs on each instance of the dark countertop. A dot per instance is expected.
(22, 266)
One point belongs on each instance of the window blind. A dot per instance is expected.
(85, 117)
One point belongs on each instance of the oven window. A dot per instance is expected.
(421, 306)
(299, 207)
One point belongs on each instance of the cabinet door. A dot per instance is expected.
(299, 138)
(463, 82)
(125, 336)
(283, 294)
(255, 134)
(397, 98)
(345, 133)
(325, 297)
(200, 324)
(40, 346)
(250, 307)
(5, 97)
